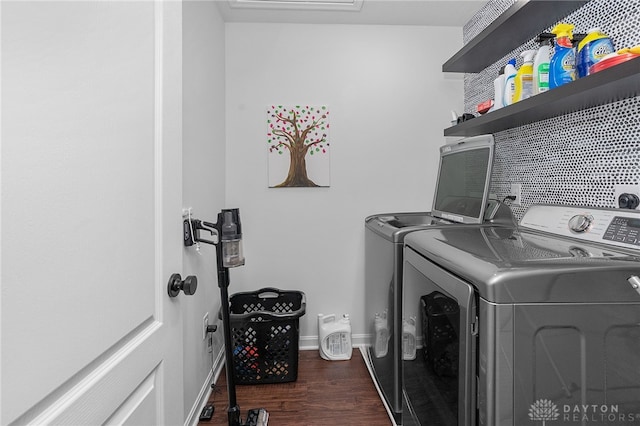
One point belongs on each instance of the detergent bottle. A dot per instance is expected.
(595, 46)
(509, 82)
(562, 68)
(541, 64)
(498, 90)
(335, 337)
(524, 77)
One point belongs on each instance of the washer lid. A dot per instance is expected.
(511, 266)
(394, 226)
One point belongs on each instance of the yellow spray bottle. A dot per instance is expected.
(524, 77)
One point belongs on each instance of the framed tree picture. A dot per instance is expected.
(298, 140)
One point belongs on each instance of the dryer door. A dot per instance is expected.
(439, 384)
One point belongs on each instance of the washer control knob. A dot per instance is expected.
(580, 223)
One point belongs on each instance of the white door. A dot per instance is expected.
(91, 212)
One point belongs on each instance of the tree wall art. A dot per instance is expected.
(298, 140)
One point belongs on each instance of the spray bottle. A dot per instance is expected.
(541, 63)
(562, 68)
(524, 77)
(509, 82)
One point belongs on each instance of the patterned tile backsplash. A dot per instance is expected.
(575, 158)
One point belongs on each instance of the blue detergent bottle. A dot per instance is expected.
(562, 68)
(595, 46)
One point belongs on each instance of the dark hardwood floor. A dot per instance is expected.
(333, 393)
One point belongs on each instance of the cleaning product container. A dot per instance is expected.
(509, 83)
(524, 77)
(498, 90)
(335, 337)
(541, 64)
(562, 68)
(591, 50)
(265, 332)
(409, 339)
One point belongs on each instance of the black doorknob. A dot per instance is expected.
(188, 286)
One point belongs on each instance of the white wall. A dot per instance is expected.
(203, 182)
(389, 102)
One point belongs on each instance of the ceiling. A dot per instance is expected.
(374, 12)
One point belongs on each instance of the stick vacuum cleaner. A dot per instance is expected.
(228, 255)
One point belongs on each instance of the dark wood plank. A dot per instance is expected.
(326, 393)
